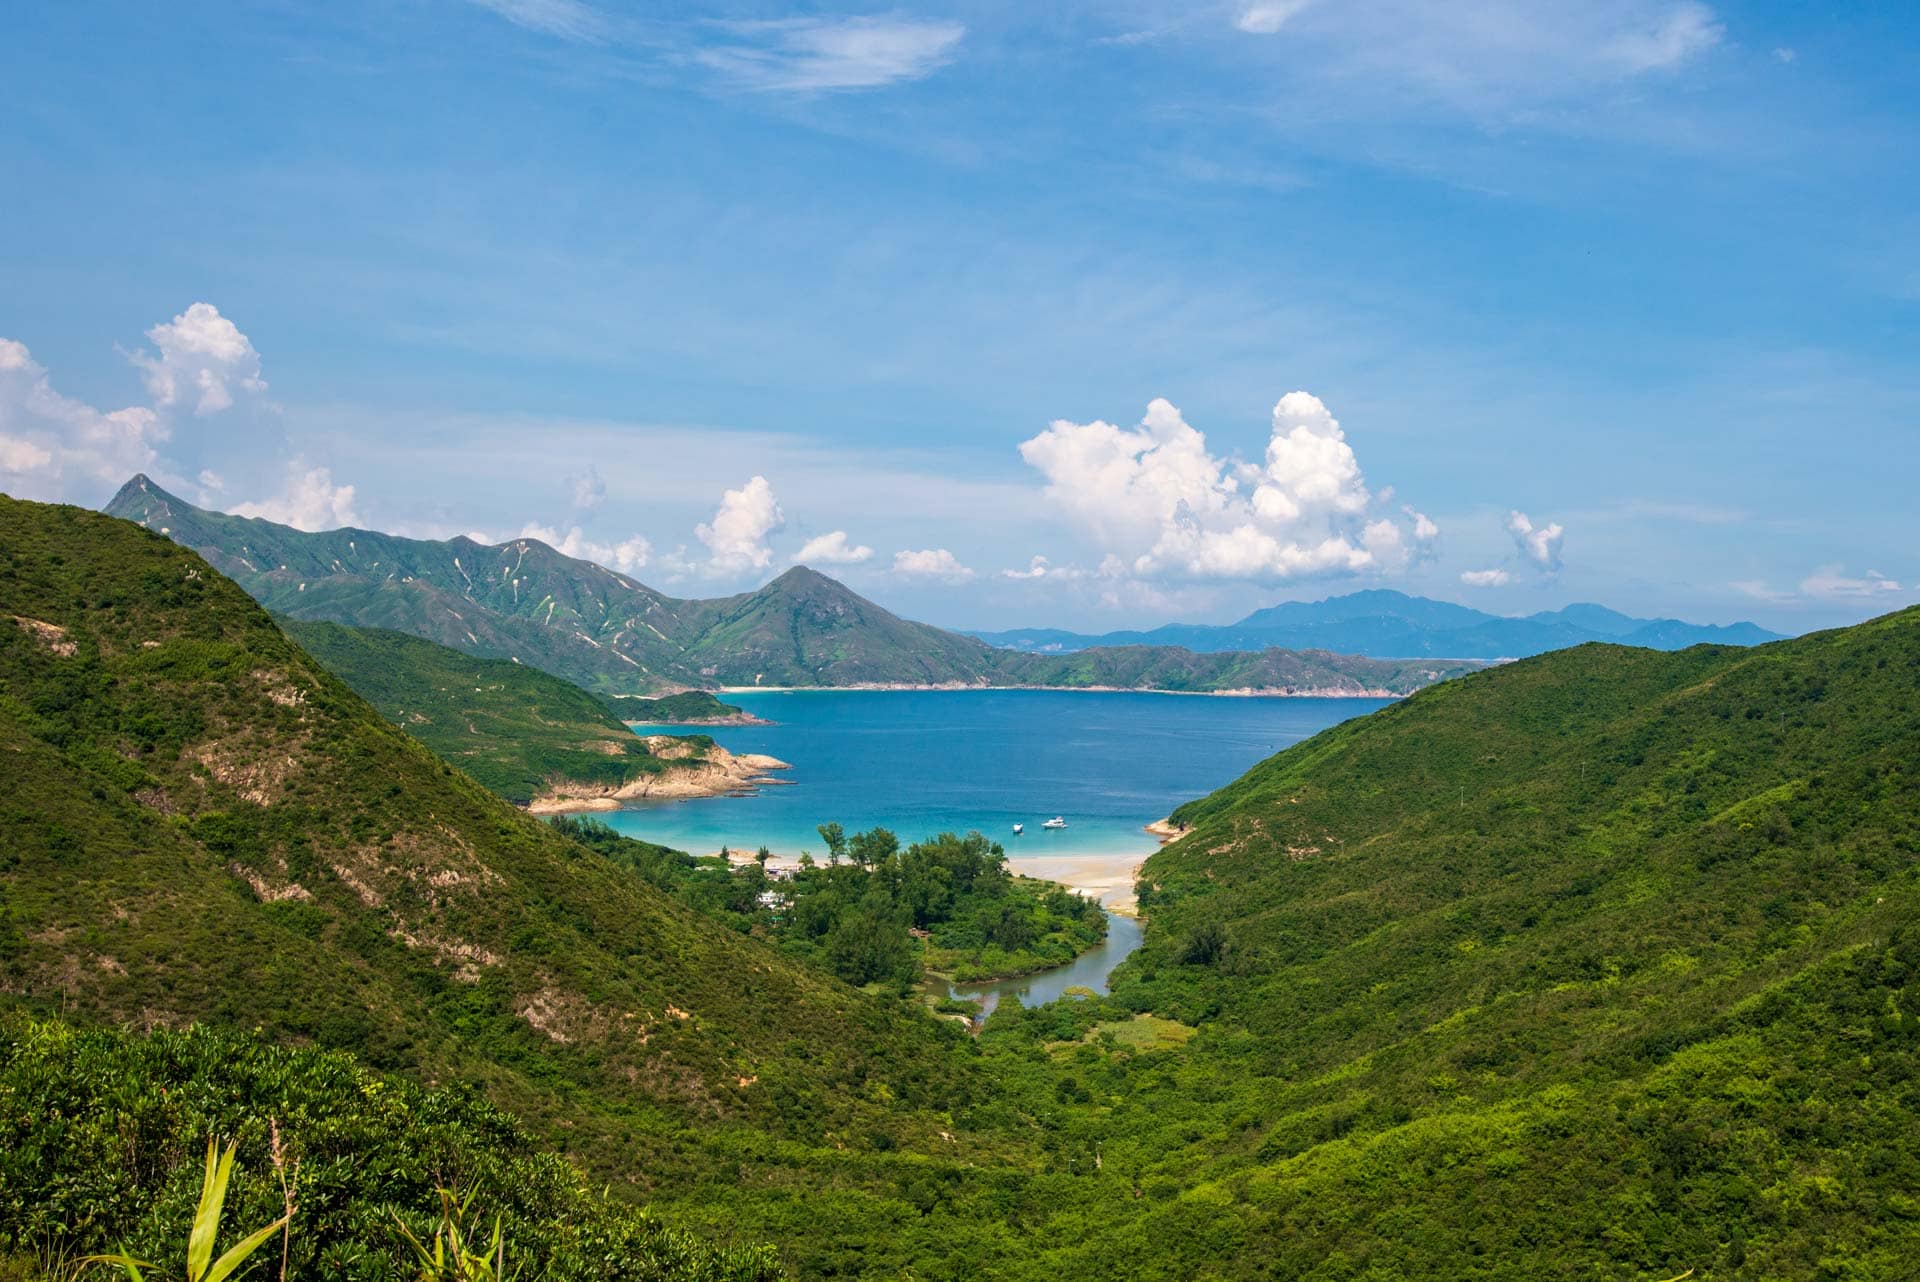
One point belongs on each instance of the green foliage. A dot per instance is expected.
(101, 1127)
(200, 1264)
(948, 904)
(287, 860)
(450, 1256)
(877, 914)
(1598, 965)
(515, 729)
(689, 707)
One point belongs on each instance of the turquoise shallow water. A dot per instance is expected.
(923, 762)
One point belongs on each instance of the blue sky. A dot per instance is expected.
(717, 285)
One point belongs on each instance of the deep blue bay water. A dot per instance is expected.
(926, 762)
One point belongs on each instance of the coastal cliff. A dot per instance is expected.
(692, 772)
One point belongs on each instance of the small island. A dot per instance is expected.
(686, 708)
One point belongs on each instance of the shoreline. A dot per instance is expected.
(717, 773)
(1167, 830)
(1241, 692)
(1107, 878)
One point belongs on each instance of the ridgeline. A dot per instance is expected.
(611, 634)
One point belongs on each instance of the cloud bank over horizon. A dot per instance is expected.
(1165, 518)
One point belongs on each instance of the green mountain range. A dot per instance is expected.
(1603, 964)
(1388, 624)
(522, 600)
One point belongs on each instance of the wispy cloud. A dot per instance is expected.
(1831, 584)
(817, 54)
(1488, 57)
(1268, 16)
(1668, 39)
(567, 19)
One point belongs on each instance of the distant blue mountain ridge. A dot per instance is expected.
(1385, 624)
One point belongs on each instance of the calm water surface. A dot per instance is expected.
(926, 762)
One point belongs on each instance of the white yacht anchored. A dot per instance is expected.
(1055, 822)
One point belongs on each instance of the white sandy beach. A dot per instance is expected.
(1108, 878)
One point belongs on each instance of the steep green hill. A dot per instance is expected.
(514, 728)
(522, 600)
(201, 822)
(1600, 965)
(806, 629)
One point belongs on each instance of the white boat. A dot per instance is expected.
(1018, 829)
(1055, 822)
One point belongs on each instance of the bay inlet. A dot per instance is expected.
(922, 762)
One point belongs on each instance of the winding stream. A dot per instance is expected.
(1090, 969)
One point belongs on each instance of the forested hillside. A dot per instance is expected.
(513, 728)
(202, 823)
(1599, 965)
(1604, 964)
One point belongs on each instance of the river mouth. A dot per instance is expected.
(1090, 970)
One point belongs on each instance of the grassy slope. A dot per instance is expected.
(201, 822)
(512, 727)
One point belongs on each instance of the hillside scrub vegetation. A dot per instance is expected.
(1598, 965)
(514, 728)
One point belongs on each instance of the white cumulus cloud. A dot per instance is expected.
(931, 563)
(310, 501)
(1539, 544)
(1165, 506)
(626, 556)
(1041, 568)
(202, 358)
(809, 54)
(833, 548)
(736, 538)
(1494, 578)
(55, 447)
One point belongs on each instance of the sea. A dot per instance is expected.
(923, 762)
